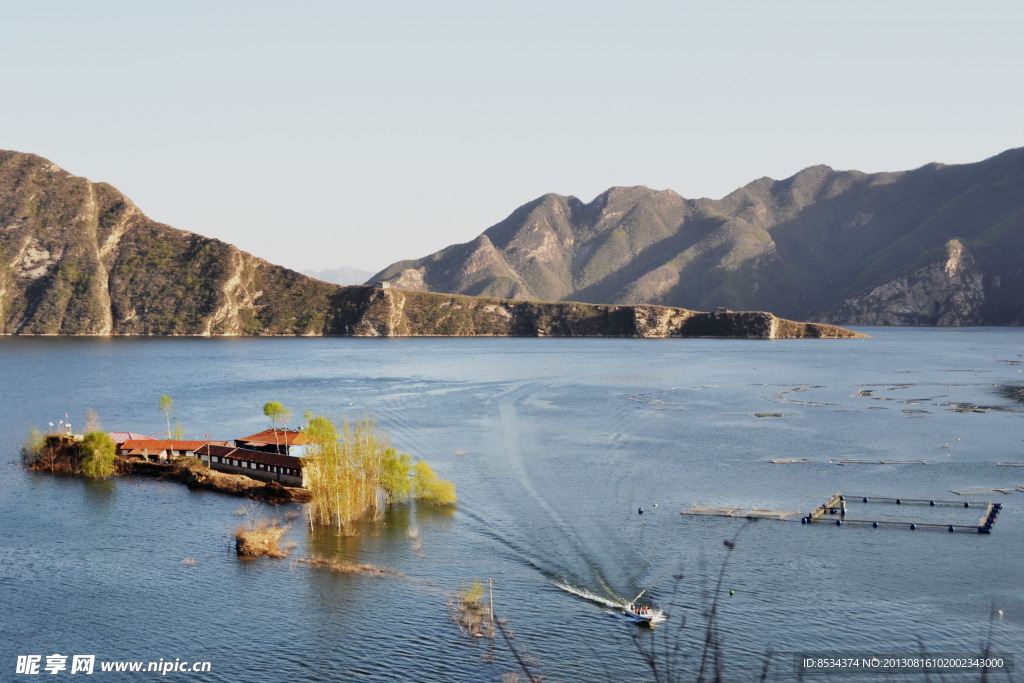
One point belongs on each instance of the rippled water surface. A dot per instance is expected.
(553, 444)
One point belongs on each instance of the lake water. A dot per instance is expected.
(553, 445)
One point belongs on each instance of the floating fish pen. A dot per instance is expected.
(790, 461)
(984, 492)
(836, 507)
(1010, 464)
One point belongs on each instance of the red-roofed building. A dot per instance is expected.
(284, 469)
(283, 441)
(120, 437)
(162, 449)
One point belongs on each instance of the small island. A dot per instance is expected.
(344, 472)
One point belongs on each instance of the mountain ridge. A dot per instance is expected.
(805, 247)
(80, 258)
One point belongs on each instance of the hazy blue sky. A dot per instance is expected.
(316, 134)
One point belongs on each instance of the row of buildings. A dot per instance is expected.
(270, 455)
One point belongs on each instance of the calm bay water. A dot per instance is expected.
(553, 445)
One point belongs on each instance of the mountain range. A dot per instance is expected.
(938, 245)
(79, 258)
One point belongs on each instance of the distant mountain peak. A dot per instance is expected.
(802, 246)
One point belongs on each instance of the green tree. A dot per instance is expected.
(178, 433)
(98, 451)
(32, 449)
(343, 469)
(166, 406)
(430, 488)
(277, 413)
(352, 471)
(394, 476)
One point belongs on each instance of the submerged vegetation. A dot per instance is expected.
(470, 610)
(344, 567)
(353, 472)
(262, 538)
(32, 449)
(259, 536)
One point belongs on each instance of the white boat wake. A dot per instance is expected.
(616, 607)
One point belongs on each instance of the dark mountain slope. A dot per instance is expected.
(940, 244)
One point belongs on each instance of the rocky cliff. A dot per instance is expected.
(392, 312)
(79, 258)
(946, 291)
(842, 246)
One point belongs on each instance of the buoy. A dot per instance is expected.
(843, 512)
(913, 526)
(952, 528)
(732, 592)
(841, 498)
(998, 506)
(1000, 612)
(640, 511)
(899, 502)
(803, 520)
(839, 522)
(874, 525)
(932, 503)
(865, 500)
(655, 505)
(967, 505)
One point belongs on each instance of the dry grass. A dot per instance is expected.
(259, 539)
(343, 567)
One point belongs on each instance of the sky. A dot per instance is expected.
(359, 133)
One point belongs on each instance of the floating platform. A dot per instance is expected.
(745, 512)
(836, 505)
(983, 492)
(1010, 464)
(864, 461)
(845, 461)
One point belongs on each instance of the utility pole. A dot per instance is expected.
(490, 588)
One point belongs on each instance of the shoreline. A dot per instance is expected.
(201, 477)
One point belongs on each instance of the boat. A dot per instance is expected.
(639, 613)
